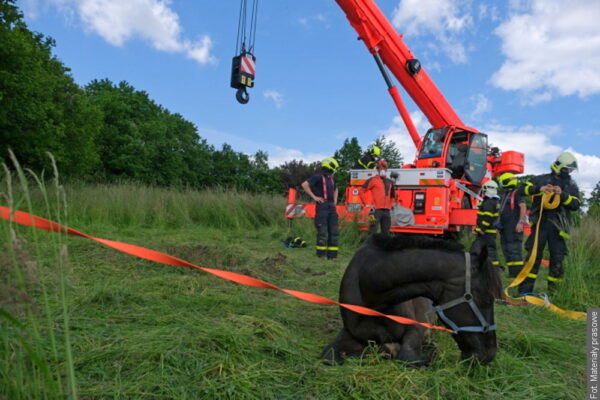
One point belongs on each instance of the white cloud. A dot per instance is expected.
(118, 21)
(319, 19)
(482, 106)
(279, 155)
(552, 48)
(398, 133)
(275, 96)
(540, 152)
(442, 18)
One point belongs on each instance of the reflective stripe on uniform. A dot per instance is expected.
(495, 262)
(564, 234)
(321, 247)
(553, 279)
(527, 186)
(570, 199)
(487, 213)
(513, 263)
(332, 248)
(485, 223)
(530, 275)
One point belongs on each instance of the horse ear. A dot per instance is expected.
(479, 252)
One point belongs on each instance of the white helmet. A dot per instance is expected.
(565, 160)
(490, 188)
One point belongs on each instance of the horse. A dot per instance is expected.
(409, 276)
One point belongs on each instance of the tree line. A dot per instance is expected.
(106, 131)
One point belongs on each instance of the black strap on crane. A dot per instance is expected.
(243, 65)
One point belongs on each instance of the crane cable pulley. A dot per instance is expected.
(243, 65)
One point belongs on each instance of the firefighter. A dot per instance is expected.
(554, 223)
(369, 159)
(322, 189)
(513, 217)
(487, 217)
(383, 193)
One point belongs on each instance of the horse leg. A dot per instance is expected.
(342, 347)
(413, 349)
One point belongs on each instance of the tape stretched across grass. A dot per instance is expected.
(27, 219)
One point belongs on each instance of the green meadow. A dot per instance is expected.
(81, 320)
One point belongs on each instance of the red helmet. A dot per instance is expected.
(382, 164)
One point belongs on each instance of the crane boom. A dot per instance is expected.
(437, 193)
(381, 38)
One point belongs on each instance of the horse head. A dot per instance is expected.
(467, 306)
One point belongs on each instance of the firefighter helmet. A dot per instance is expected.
(330, 163)
(375, 151)
(490, 188)
(565, 160)
(507, 179)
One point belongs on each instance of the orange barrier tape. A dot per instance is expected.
(27, 219)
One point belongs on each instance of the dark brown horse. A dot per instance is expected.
(405, 275)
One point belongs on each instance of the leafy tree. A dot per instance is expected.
(389, 152)
(41, 108)
(347, 156)
(594, 202)
(293, 173)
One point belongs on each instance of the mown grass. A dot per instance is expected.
(144, 330)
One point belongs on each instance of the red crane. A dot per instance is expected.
(452, 161)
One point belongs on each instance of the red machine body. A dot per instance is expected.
(437, 193)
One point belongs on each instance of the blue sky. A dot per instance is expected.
(527, 72)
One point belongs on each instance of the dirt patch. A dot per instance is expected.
(14, 256)
(308, 271)
(273, 264)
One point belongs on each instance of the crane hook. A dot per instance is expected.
(242, 95)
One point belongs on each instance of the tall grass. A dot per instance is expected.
(36, 359)
(131, 204)
(580, 288)
(138, 330)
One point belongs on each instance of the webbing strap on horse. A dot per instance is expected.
(549, 201)
(467, 298)
(27, 219)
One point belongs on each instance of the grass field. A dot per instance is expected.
(82, 320)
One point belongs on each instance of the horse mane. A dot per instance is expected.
(490, 274)
(405, 242)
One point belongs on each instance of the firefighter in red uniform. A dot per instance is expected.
(554, 225)
(383, 193)
(487, 217)
(512, 220)
(322, 189)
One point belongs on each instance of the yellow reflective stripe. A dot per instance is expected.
(495, 262)
(539, 194)
(564, 234)
(553, 279)
(321, 247)
(485, 223)
(570, 199)
(490, 231)
(333, 248)
(487, 213)
(511, 263)
(363, 164)
(527, 186)
(530, 275)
